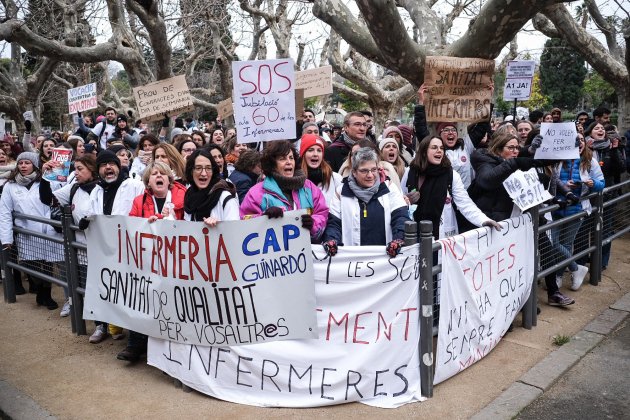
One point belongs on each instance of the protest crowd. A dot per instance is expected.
(360, 186)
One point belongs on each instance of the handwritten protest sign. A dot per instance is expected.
(225, 108)
(519, 89)
(367, 351)
(299, 101)
(520, 69)
(558, 141)
(525, 189)
(61, 172)
(486, 279)
(238, 283)
(457, 89)
(28, 116)
(168, 96)
(264, 99)
(82, 98)
(315, 82)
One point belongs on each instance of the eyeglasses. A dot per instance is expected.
(200, 169)
(511, 148)
(449, 130)
(359, 124)
(372, 171)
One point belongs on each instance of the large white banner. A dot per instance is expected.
(486, 279)
(264, 99)
(367, 351)
(240, 282)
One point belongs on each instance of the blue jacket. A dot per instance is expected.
(570, 171)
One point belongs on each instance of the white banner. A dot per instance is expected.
(486, 279)
(82, 98)
(264, 99)
(525, 189)
(241, 282)
(519, 89)
(558, 141)
(367, 351)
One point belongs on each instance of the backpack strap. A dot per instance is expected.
(73, 191)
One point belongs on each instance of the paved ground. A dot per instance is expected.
(46, 370)
(593, 388)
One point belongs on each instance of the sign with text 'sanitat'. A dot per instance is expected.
(458, 89)
(168, 96)
(241, 282)
(264, 100)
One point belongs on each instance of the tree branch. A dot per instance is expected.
(352, 93)
(609, 31)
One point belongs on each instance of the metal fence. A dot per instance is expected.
(609, 219)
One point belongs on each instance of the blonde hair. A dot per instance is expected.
(162, 168)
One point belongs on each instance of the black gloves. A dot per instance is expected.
(393, 248)
(535, 144)
(577, 141)
(28, 125)
(524, 163)
(79, 114)
(84, 223)
(572, 199)
(330, 247)
(275, 212)
(307, 221)
(166, 121)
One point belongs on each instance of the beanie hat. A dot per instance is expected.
(31, 156)
(121, 117)
(385, 141)
(441, 126)
(310, 140)
(107, 156)
(392, 129)
(100, 118)
(407, 133)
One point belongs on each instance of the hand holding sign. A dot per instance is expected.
(558, 141)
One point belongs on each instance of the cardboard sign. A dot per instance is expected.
(82, 98)
(264, 100)
(558, 141)
(487, 277)
(61, 172)
(457, 89)
(241, 282)
(315, 82)
(519, 89)
(525, 189)
(519, 69)
(225, 108)
(299, 102)
(28, 116)
(168, 96)
(367, 351)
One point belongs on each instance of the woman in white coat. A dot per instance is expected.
(21, 194)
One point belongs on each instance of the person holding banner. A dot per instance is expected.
(438, 191)
(317, 170)
(286, 188)
(210, 199)
(364, 211)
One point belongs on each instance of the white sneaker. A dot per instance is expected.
(577, 277)
(100, 334)
(65, 311)
(559, 280)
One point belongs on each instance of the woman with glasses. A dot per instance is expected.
(186, 146)
(209, 199)
(493, 166)
(285, 188)
(365, 211)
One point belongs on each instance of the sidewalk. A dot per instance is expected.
(68, 378)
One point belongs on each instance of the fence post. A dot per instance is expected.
(597, 237)
(426, 303)
(530, 317)
(9, 283)
(72, 273)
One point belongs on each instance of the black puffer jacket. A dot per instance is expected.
(487, 188)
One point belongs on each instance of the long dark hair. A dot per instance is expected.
(211, 146)
(190, 166)
(420, 162)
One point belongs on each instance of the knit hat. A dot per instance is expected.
(392, 129)
(310, 140)
(106, 156)
(100, 118)
(407, 133)
(32, 156)
(441, 126)
(385, 141)
(121, 117)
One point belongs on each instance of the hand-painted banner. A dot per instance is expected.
(264, 99)
(458, 89)
(82, 98)
(241, 282)
(168, 96)
(367, 351)
(486, 279)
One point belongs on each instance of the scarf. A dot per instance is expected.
(26, 180)
(200, 202)
(88, 186)
(347, 140)
(290, 183)
(109, 192)
(363, 194)
(601, 144)
(433, 195)
(316, 176)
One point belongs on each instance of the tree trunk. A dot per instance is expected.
(623, 98)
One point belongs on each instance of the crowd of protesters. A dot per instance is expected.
(359, 186)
